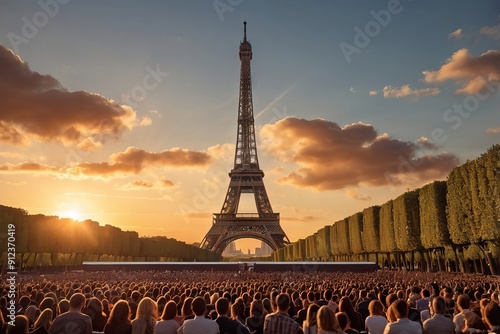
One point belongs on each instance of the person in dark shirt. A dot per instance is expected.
(227, 325)
(119, 319)
(73, 321)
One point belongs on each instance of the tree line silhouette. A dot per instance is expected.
(50, 240)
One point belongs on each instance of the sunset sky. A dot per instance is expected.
(125, 112)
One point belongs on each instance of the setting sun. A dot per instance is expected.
(73, 214)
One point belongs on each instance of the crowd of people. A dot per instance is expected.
(154, 302)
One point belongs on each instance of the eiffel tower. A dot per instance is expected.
(246, 177)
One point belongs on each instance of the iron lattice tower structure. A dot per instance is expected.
(246, 177)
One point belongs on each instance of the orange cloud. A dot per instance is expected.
(354, 194)
(456, 34)
(333, 157)
(29, 167)
(406, 91)
(493, 32)
(132, 161)
(474, 73)
(37, 107)
(493, 130)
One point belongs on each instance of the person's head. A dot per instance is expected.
(463, 302)
(186, 307)
(438, 305)
(492, 314)
(31, 313)
(391, 298)
(400, 309)
(326, 320)
(147, 308)
(47, 302)
(425, 293)
(199, 306)
(257, 308)
(44, 319)
(282, 302)
(62, 306)
(234, 311)
(120, 313)
(345, 305)
(376, 308)
(472, 320)
(222, 306)
(21, 325)
(76, 302)
(391, 313)
(312, 312)
(169, 311)
(95, 305)
(343, 320)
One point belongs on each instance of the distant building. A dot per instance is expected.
(265, 249)
(257, 251)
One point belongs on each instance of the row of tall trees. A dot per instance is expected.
(445, 225)
(50, 240)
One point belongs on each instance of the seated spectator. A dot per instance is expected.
(42, 324)
(119, 319)
(95, 312)
(255, 322)
(32, 312)
(357, 322)
(327, 322)
(345, 323)
(438, 323)
(227, 325)
(62, 307)
(423, 303)
(492, 316)
(309, 325)
(20, 326)
(199, 324)
(168, 325)
(280, 322)
(402, 324)
(79, 322)
(463, 305)
(473, 323)
(145, 320)
(376, 321)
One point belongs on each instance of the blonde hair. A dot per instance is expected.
(147, 308)
(326, 320)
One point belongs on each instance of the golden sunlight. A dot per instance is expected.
(73, 214)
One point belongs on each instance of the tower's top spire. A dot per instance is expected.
(244, 31)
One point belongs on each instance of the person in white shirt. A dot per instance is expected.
(463, 305)
(403, 325)
(376, 321)
(199, 324)
(438, 324)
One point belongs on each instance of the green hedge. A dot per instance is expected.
(407, 221)
(387, 237)
(356, 233)
(433, 225)
(371, 229)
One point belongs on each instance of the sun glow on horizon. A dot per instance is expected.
(73, 214)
